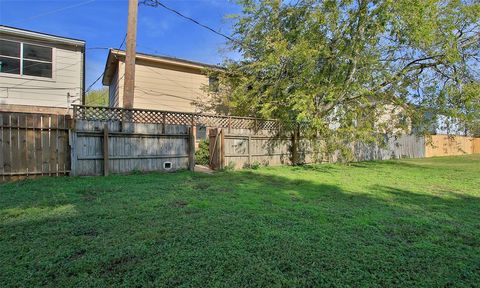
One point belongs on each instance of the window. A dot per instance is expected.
(9, 57)
(25, 59)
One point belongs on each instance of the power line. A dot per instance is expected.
(156, 3)
(103, 73)
(94, 82)
(55, 11)
(40, 88)
(97, 48)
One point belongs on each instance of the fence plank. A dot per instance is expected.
(445, 145)
(144, 148)
(2, 148)
(105, 151)
(73, 152)
(45, 122)
(222, 149)
(191, 149)
(52, 166)
(7, 144)
(14, 146)
(30, 145)
(62, 141)
(22, 145)
(250, 150)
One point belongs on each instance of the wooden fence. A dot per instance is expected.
(102, 140)
(444, 145)
(33, 145)
(241, 148)
(404, 146)
(103, 147)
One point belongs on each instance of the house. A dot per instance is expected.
(161, 83)
(40, 72)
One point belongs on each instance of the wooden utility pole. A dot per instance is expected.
(128, 89)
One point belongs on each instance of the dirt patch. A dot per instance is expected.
(92, 193)
(77, 254)
(86, 231)
(201, 185)
(119, 265)
(179, 203)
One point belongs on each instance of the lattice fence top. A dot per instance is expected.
(81, 112)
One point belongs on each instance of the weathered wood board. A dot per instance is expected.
(144, 147)
(33, 145)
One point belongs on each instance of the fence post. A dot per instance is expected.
(212, 135)
(249, 150)
(295, 140)
(105, 150)
(164, 122)
(222, 149)
(74, 111)
(191, 150)
(192, 123)
(72, 136)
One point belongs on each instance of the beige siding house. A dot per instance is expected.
(40, 72)
(161, 83)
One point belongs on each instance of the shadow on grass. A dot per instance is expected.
(239, 228)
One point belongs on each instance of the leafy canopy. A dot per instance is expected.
(97, 97)
(351, 70)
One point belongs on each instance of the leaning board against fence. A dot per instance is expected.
(33, 145)
(101, 147)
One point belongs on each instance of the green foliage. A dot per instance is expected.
(202, 155)
(255, 165)
(404, 223)
(97, 97)
(230, 166)
(353, 70)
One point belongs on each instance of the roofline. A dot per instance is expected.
(111, 59)
(172, 60)
(40, 35)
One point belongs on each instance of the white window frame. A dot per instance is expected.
(23, 76)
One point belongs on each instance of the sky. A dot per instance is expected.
(103, 23)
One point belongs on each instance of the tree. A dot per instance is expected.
(97, 97)
(339, 67)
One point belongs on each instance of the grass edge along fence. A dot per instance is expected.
(103, 140)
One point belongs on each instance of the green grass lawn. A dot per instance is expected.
(394, 223)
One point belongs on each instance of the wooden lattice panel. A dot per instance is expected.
(170, 117)
(179, 118)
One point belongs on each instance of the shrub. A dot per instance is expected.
(255, 165)
(230, 166)
(202, 153)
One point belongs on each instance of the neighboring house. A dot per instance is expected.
(161, 83)
(444, 125)
(40, 72)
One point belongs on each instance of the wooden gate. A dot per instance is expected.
(33, 144)
(217, 148)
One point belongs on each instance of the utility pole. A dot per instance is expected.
(128, 89)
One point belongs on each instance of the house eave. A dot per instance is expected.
(17, 32)
(116, 55)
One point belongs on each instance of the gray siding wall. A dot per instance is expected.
(113, 90)
(37, 91)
